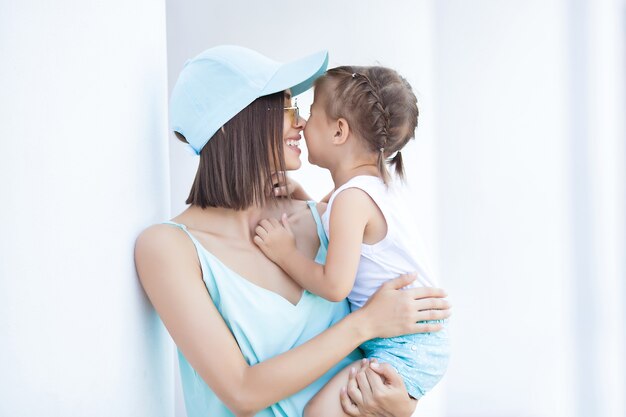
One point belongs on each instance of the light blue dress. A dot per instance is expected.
(265, 325)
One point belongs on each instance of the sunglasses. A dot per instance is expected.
(294, 112)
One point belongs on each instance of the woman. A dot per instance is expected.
(250, 340)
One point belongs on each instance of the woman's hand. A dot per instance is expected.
(284, 186)
(394, 310)
(376, 390)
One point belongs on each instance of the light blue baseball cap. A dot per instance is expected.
(220, 82)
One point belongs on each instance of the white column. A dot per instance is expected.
(502, 162)
(597, 103)
(83, 169)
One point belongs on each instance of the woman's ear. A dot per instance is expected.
(342, 131)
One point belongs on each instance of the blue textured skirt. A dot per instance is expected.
(421, 359)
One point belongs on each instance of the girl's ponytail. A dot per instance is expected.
(396, 161)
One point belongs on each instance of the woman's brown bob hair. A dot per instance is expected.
(236, 164)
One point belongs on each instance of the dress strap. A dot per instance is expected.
(318, 223)
(184, 229)
(320, 258)
(208, 276)
(179, 225)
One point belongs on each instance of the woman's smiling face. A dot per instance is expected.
(293, 125)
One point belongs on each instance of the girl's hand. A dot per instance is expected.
(276, 240)
(376, 390)
(284, 186)
(394, 311)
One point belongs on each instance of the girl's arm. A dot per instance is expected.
(169, 271)
(352, 209)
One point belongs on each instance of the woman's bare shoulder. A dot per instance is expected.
(301, 213)
(159, 237)
(297, 209)
(291, 207)
(162, 244)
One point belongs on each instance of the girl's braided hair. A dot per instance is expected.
(378, 104)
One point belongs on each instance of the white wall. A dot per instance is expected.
(502, 166)
(531, 181)
(83, 168)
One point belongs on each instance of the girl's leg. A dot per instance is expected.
(326, 402)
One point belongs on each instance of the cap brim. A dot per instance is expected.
(298, 75)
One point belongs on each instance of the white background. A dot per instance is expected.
(517, 180)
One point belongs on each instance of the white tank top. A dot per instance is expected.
(397, 253)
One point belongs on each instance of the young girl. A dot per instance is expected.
(362, 117)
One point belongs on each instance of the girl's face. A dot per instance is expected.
(318, 131)
(292, 129)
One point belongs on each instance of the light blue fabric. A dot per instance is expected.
(321, 234)
(264, 325)
(221, 81)
(421, 359)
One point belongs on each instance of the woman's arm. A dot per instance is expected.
(169, 271)
(352, 210)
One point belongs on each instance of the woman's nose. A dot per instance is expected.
(301, 122)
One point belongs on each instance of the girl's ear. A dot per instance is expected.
(342, 131)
